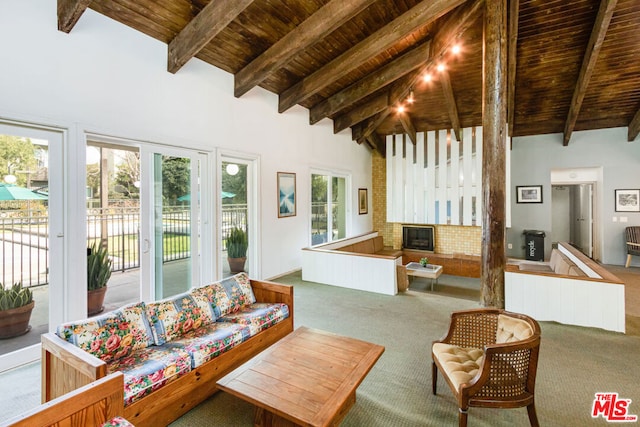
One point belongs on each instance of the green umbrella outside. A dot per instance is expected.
(187, 197)
(14, 192)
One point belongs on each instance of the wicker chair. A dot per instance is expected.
(489, 358)
(632, 235)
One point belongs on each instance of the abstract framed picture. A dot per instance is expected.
(529, 194)
(363, 203)
(627, 200)
(286, 194)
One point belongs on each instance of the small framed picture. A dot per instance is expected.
(627, 200)
(363, 202)
(529, 194)
(286, 194)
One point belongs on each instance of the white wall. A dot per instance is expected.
(532, 160)
(110, 79)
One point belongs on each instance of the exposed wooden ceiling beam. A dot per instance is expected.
(212, 19)
(368, 126)
(318, 26)
(358, 114)
(634, 127)
(450, 99)
(371, 83)
(453, 27)
(588, 64)
(408, 126)
(514, 12)
(419, 16)
(69, 11)
(377, 143)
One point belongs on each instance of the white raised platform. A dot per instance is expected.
(365, 272)
(595, 300)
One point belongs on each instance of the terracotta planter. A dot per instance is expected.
(236, 265)
(15, 322)
(95, 298)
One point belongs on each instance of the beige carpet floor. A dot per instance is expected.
(575, 362)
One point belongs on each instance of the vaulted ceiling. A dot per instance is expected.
(572, 64)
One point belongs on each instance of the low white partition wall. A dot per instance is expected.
(594, 300)
(365, 272)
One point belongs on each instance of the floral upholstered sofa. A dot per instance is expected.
(172, 351)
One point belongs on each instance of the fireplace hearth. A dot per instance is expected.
(418, 237)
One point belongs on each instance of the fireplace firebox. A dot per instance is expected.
(418, 237)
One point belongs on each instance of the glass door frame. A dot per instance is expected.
(331, 174)
(252, 162)
(199, 215)
(58, 223)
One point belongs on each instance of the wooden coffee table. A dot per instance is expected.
(431, 271)
(308, 378)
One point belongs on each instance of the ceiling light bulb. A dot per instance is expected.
(455, 49)
(400, 108)
(440, 67)
(427, 77)
(410, 99)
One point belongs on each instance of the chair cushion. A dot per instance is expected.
(232, 293)
(149, 369)
(112, 335)
(460, 364)
(209, 341)
(511, 329)
(175, 316)
(258, 316)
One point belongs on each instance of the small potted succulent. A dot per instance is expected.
(16, 304)
(424, 261)
(98, 274)
(237, 244)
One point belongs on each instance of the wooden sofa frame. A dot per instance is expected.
(90, 405)
(66, 367)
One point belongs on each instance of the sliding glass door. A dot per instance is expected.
(31, 237)
(329, 201)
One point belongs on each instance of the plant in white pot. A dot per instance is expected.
(237, 244)
(98, 274)
(16, 305)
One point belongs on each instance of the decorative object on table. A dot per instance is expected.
(98, 274)
(16, 305)
(286, 194)
(529, 194)
(627, 200)
(237, 244)
(363, 202)
(424, 262)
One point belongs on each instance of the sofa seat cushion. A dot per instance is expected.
(460, 364)
(112, 335)
(530, 266)
(117, 422)
(258, 316)
(149, 369)
(211, 340)
(390, 252)
(172, 317)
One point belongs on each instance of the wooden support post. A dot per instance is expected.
(494, 122)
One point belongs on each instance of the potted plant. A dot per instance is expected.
(424, 261)
(98, 274)
(16, 304)
(237, 244)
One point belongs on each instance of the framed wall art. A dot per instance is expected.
(363, 202)
(286, 194)
(529, 194)
(627, 200)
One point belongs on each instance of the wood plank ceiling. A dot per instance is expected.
(573, 65)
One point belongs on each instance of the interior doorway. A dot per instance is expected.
(572, 216)
(575, 209)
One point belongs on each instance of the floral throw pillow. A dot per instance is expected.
(233, 293)
(175, 316)
(111, 336)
